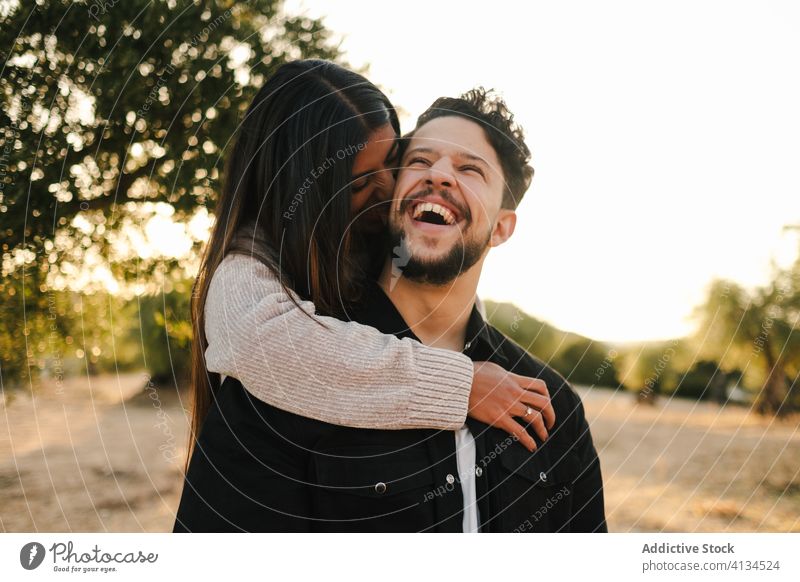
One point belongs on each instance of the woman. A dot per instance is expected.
(299, 228)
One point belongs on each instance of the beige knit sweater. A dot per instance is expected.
(345, 373)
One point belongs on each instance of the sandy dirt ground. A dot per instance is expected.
(105, 454)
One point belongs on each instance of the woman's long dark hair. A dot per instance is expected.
(286, 195)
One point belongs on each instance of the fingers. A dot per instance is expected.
(515, 429)
(533, 384)
(538, 387)
(535, 418)
(498, 396)
(541, 403)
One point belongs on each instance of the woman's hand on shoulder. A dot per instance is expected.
(498, 396)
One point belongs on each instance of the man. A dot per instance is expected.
(464, 169)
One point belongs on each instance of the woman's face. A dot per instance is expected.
(373, 179)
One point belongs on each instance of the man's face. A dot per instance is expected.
(446, 209)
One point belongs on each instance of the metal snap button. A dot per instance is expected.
(380, 487)
(543, 476)
(478, 471)
(450, 479)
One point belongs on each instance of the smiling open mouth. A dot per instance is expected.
(433, 213)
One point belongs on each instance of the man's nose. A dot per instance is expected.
(441, 175)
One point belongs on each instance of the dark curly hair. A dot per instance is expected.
(487, 109)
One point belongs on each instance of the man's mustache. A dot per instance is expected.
(446, 196)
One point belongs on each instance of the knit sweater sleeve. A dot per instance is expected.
(344, 373)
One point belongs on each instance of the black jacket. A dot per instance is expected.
(258, 468)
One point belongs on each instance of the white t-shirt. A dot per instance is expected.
(465, 461)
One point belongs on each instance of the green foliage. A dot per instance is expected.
(588, 362)
(537, 337)
(579, 359)
(704, 381)
(112, 111)
(757, 331)
(24, 326)
(58, 333)
(148, 91)
(651, 368)
(165, 332)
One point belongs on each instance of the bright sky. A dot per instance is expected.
(665, 139)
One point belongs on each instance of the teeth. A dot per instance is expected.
(433, 207)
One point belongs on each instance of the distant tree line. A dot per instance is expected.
(746, 349)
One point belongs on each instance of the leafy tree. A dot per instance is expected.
(115, 114)
(704, 381)
(165, 334)
(649, 368)
(588, 362)
(757, 331)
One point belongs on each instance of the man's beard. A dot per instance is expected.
(440, 271)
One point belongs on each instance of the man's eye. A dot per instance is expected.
(471, 169)
(422, 161)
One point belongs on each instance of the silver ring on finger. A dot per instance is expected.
(528, 412)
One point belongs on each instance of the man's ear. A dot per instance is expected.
(503, 226)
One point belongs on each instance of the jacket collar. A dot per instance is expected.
(482, 342)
